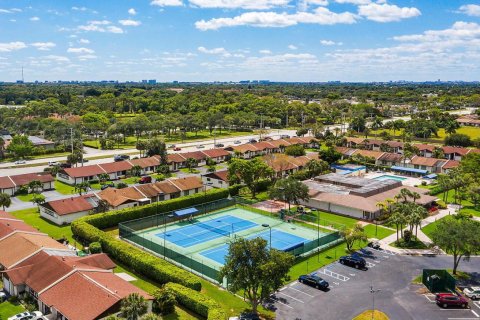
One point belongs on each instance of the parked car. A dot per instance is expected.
(121, 157)
(172, 146)
(446, 300)
(237, 142)
(249, 316)
(107, 185)
(21, 161)
(472, 292)
(252, 141)
(200, 146)
(83, 161)
(53, 163)
(65, 165)
(353, 261)
(219, 145)
(145, 179)
(313, 281)
(35, 315)
(374, 245)
(284, 136)
(177, 149)
(3, 296)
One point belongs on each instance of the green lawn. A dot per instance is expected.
(32, 217)
(8, 309)
(64, 188)
(381, 233)
(334, 220)
(468, 206)
(428, 229)
(130, 180)
(186, 170)
(25, 197)
(472, 132)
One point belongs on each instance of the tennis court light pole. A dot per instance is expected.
(266, 225)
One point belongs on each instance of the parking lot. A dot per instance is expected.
(350, 290)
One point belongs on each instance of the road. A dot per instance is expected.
(8, 168)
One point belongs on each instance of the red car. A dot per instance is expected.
(446, 300)
(177, 149)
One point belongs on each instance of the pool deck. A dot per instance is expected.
(409, 181)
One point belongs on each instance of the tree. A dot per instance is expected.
(133, 306)
(102, 206)
(352, 235)
(163, 301)
(5, 200)
(141, 146)
(82, 187)
(36, 186)
(38, 199)
(398, 218)
(136, 171)
(295, 150)
(249, 172)
(103, 178)
(150, 316)
(458, 140)
(458, 237)
(316, 167)
(20, 147)
(330, 155)
(289, 190)
(301, 132)
(191, 163)
(157, 147)
(252, 268)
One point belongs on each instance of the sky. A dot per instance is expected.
(232, 40)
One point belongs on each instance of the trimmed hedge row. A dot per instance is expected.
(435, 190)
(156, 269)
(197, 302)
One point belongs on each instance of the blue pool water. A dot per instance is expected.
(389, 177)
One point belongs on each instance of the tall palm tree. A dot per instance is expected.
(103, 178)
(5, 200)
(133, 306)
(82, 187)
(35, 186)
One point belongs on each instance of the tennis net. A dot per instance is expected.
(214, 229)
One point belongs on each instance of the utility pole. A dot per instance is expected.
(372, 291)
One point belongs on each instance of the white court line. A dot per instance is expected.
(286, 305)
(476, 314)
(302, 292)
(286, 295)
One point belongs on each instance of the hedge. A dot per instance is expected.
(197, 302)
(158, 270)
(435, 190)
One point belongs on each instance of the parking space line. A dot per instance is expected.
(286, 295)
(370, 265)
(462, 318)
(302, 292)
(476, 314)
(476, 304)
(426, 296)
(335, 275)
(286, 305)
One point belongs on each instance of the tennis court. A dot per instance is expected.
(280, 240)
(199, 232)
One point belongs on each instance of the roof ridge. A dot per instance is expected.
(99, 284)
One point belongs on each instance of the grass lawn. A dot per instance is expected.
(186, 170)
(25, 197)
(334, 220)
(130, 180)
(467, 206)
(367, 315)
(381, 233)
(414, 244)
(64, 188)
(32, 217)
(8, 309)
(472, 132)
(428, 229)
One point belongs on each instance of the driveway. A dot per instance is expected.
(349, 293)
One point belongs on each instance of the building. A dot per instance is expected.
(40, 142)
(469, 120)
(64, 211)
(284, 165)
(354, 196)
(432, 165)
(218, 179)
(11, 184)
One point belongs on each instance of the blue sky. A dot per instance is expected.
(231, 40)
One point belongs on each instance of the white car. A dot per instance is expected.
(237, 142)
(200, 146)
(35, 315)
(3, 296)
(472, 292)
(53, 163)
(21, 161)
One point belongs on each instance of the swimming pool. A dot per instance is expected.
(389, 177)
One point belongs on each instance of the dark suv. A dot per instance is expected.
(353, 261)
(313, 281)
(121, 157)
(450, 300)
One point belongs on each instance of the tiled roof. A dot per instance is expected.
(197, 155)
(216, 153)
(457, 150)
(9, 225)
(391, 157)
(86, 171)
(176, 158)
(369, 153)
(450, 164)
(280, 142)
(116, 197)
(187, 183)
(145, 162)
(218, 175)
(26, 178)
(355, 140)
(70, 205)
(243, 148)
(424, 161)
(166, 187)
(6, 183)
(422, 147)
(119, 166)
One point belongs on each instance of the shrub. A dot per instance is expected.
(234, 189)
(197, 302)
(458, 140)
(121, 185)
(407, 236)
(95, 247)
(164, 301)
(295, 150)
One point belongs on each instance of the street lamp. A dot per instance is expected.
(372, 291)
(266, 225)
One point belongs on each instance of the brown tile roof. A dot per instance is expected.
(369, 153)
(6, 215)
(176, 158)
(243, 148)
(116, 197)
(457, 150)
(25, 244)
(391, 157)
(355, 140)
(219, 175)
(216, 153)
(280, 142)
(187, 183)
(10, 225)
(297, 140)
(263, 145)
(427, 147)
(70, 205)
(451, 164)
(197, 155)
(145, 162)
(26, 178)
(86, 171)
(119, 166)
(6, 183)
(345, 151)
(424, 161)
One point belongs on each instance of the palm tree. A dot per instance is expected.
(102, 206)
(38, 199)
(103, 178)
(133, 306)
(191, 162)
(415, 196)
(5, 200)
(35, 185)
(398, 219)
(2, 147)
(136, 171)
(82, 187)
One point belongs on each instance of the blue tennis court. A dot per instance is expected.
(196, 233)
(280, 240)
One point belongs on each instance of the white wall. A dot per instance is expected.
(64, 219)
(9, 191)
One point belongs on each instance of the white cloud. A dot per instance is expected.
(79, 9)
(265, 51)
(288, 60)
(240, 4)
(100, 26)
(330, 43)
(80, 50)
(56, 58)
(12, 46)
(84, 41)
(114, 29)
(167, 3)
(292, 47)
(470, 9)
(387, 12)
(304, 4)
(320, 15)
(132, 11)
(354, 2)
(87, 57)
(12, 10)
(34, 19)
(43, 46)
(130, 23)
(222, 51)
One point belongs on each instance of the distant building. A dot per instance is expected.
(152, 81)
